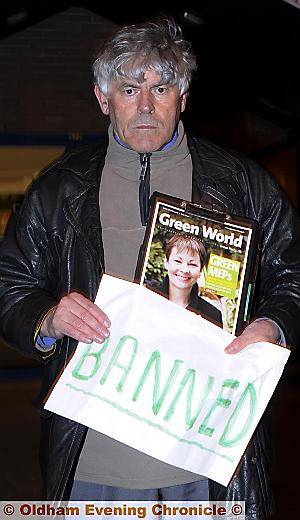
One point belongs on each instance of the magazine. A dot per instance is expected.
(203, 260)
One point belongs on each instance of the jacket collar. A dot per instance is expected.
(81, 209)
(86, 162)
(214, 177)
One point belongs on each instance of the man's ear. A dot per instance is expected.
(183, 101)
(102, 100)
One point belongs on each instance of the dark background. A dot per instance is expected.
(248, 50)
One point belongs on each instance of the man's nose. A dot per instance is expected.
(145, 105)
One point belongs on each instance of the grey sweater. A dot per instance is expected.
(104, 460)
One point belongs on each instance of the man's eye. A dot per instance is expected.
(129, 91)
(161, 90)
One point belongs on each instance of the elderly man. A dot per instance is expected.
(54, 254)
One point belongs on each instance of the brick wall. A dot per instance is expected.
(45, 78)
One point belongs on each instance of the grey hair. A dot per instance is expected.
(157, 45)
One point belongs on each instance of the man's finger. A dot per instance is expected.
(77, 317)
(93, 309)
(260, 330)
(82, 318)
(236, 345)
(84, 333)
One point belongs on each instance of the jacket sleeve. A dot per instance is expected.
(25, 276)
(279, 269)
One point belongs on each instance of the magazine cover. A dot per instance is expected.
(200, 259)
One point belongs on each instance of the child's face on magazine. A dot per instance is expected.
(184, 268)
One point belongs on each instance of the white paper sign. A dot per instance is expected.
(162, 383)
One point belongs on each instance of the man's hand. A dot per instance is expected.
(77, 317)
(262, 330)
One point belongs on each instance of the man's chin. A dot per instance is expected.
(145, 148)
(146, 145)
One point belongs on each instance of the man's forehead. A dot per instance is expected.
(148, 76)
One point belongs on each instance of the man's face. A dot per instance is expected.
(143, 115)
(184, 268)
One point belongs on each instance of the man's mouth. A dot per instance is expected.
(146, 127)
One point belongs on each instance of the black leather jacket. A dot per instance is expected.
(55, 246)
